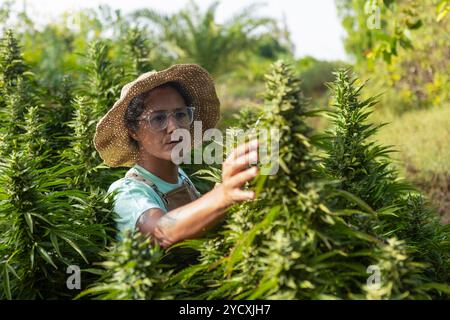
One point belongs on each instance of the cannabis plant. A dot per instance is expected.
(364, 168)
(12, 66)
(103, 79)
(278, 245)
(134, 269)
(46, 225)
(300, 238)
(138, 49)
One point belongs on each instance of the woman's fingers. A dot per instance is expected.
(236, 171)
(242, 177)
(244, 161)
(243, 195)
(241, 157)
(243, 149)
(234, 166)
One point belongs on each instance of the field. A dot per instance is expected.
(363, 180)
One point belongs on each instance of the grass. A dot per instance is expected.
(422, 138)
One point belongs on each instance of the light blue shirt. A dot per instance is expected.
(135, 197)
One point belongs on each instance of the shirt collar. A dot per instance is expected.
(148, 175)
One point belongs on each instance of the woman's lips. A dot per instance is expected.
(173, 143)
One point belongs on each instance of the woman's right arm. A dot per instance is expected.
(195, 218)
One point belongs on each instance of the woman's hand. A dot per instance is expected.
(236, 172)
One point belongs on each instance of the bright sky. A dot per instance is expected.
(314, 25)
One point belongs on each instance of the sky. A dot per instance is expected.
(314, 25)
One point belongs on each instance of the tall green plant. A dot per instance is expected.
(81, 150)
(56, 112)
(134, 271)
(17, 91)
(49, 228)
(359, 163)
(363, 168)
(12, 65)
(139, 47)
(103, 79)
(46, 225)
(280, 245)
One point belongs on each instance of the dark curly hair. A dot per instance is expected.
(136, 106)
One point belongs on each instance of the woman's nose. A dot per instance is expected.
(172, 124)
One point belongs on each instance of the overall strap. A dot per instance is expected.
(137, 176)
(190, 184)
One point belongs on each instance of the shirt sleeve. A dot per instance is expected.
(131, 200)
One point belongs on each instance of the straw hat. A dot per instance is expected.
(111, 137)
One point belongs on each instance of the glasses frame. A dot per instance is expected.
(168, 113)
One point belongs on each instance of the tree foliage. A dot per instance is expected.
(196, 36)
(405, 55)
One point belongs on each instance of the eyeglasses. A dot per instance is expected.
(159, 119)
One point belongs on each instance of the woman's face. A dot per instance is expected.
(158, 143)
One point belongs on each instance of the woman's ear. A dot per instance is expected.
(133, 134)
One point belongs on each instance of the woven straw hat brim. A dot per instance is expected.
(111, 138)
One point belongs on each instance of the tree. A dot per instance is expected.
(406, 55)
(196, 37)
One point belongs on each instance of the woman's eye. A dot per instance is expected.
(158, 117)
(180, 115)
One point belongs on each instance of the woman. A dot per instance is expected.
(156, 196)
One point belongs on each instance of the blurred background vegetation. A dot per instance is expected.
(405, 57)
